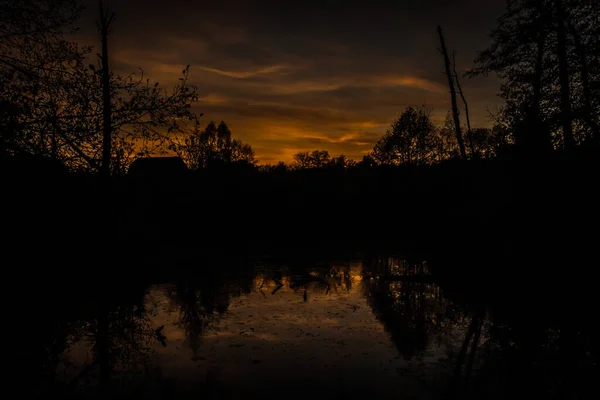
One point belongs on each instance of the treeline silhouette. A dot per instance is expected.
(75, 141)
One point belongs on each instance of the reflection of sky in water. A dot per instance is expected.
(331, 341)
(319, 343)
(293, 331)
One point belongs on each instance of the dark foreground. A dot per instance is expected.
(445, 282)
(373, 326)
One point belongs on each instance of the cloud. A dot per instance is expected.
(304, 75)
(244, 74)
(413, 82)
(281, 140)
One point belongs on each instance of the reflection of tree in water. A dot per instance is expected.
(112, 327)
(104, 340)
(42, 343)
(491, 352)
(199, 305)
(340, 277)
(123, 334)
(202, 300)
(383, 265)
(303, 276)
(524, 355)
(412, 312)
(523, 345)
(406, 311)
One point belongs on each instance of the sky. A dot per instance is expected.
(291, 76)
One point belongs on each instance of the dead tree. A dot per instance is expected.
(464, 99)
(103, 25)
(459, 138)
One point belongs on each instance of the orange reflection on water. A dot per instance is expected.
(326, 339)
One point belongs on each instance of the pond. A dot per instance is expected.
(377, 326)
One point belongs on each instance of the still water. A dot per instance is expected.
(369, 328)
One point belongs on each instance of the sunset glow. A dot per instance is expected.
(291, 80)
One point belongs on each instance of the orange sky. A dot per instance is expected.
(309, 76)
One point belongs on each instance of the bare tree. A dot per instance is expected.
(464, 99)
(104, 25)
(65, 110)
(33, 55)
(444, 51)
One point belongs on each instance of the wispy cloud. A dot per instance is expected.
(284, 85)
(244, 74)
(412, 82)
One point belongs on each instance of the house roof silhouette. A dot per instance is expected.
(157, 167)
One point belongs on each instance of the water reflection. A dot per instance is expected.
(411, 310)
(376, 327)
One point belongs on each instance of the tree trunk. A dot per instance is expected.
(478, 321)
(463, 350)
(539, 72)
(103, 346)
(569, 368)
(103, 28)
(464, 99)
(536, 136)
(585, 83)
(54, 146)
(41, 147)
(459, 138)
(563, 66)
